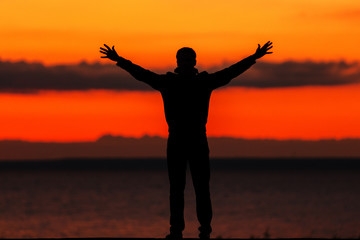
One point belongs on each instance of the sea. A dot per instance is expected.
(128, 198)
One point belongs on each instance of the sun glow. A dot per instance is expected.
(289, 113)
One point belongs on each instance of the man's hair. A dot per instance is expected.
(185, 51)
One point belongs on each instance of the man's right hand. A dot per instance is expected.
(262, 51)
(110, 53)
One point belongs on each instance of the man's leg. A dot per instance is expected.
(177, 178)
(200, 172)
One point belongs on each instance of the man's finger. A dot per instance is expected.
(103, 49)
(268, 52)
(104, 57)
(103, 52)
(267, 45)
(107, 47)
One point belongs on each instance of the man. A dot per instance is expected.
(186, 95)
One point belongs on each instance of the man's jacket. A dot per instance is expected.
(186, 96)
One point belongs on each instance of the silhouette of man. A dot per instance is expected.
(186, 94)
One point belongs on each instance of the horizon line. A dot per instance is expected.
(148, 136)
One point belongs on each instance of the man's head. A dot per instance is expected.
(186, 58)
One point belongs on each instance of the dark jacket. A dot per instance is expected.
(186, 96)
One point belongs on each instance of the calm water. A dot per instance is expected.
(134, 203)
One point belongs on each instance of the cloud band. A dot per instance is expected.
(32, 77)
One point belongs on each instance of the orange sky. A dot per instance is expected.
(288, 113)
(149, 32)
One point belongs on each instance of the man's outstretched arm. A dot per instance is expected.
(136, 71)
(224, 76)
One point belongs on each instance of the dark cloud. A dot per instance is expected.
(292, 74)
(31, 77)
(26, 77)
(116, 147)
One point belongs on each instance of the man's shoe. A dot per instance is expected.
(174, 236)
(205, 232)
(204, 236)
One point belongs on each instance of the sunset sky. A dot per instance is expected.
(307, 89)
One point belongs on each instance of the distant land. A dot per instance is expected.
(109, 146)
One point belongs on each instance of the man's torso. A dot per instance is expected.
(186, 102)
